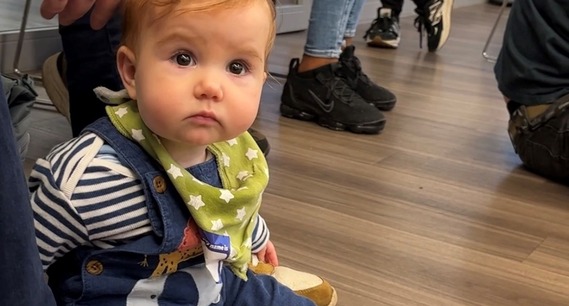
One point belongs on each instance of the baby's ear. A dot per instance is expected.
(126, 65)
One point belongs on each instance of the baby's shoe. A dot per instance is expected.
(308, 285)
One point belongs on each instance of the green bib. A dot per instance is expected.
(226, 216)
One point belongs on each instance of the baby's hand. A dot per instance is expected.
(269, 254)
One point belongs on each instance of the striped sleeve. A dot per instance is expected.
(82, 196)
(260, 235)
(59, 227)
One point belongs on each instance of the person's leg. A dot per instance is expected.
(384, 30)
(314, 89)
(91, 62)
(395, 5)
(257, 290)
(434, 16)
(352, 22)
(21, 272)
(539, 135)
(531, 71)
(380, 97)
(327, 24)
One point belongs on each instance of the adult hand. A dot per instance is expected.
(71, 10)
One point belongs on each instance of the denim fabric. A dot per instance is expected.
(140, 271)
(353, 19)
(328, 24)
(21, 272)
(540, 138)
(91, 62)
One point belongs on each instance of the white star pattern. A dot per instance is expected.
(174, 171)
(137, 135)
(243, 175)
(121, 112)
(225, 159)
(226, 195)
(216, 225)
(251, 154)
(241, 213)
(232, 142)
(196, 201)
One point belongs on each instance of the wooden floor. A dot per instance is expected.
(434, 211)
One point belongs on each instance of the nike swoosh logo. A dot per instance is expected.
(325, 107)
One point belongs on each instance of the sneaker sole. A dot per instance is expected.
(54, 87)
(381, 43)
(366, 128)
(334, 299)
(385, 105)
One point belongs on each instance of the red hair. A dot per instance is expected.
(137, 13)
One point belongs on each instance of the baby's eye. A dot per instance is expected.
(184, 59)
(237, 68)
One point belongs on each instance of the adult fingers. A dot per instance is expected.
(103, 11)
(50, 8)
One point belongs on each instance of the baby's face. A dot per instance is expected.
(199, 75)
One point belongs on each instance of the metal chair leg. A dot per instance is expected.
(20, 43)
(485, 54)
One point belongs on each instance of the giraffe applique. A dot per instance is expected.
(190, 247)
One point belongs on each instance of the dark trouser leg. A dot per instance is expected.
(395, 5)
(257, 290)
(21, 275)
(542, 144)
(420, 3)
(91, 62)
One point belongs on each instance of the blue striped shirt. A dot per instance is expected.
(83, 195)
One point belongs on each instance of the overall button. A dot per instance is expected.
(159, 184)
(94, 267)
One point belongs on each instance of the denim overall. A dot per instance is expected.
(126, 274)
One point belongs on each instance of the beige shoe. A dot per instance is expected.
(305, 284)
(53, 78)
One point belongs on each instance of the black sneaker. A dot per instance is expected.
(261, 140)
(384, 30)
(434, 17)
(321, 95)
(351, 69)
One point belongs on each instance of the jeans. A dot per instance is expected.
(330, 22)
(90, 56)
(21, 272)
(258, 290)
(540, 134)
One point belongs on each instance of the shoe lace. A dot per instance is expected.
(354, 68)
(381, 24)
(340, 89)
(423, 22)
